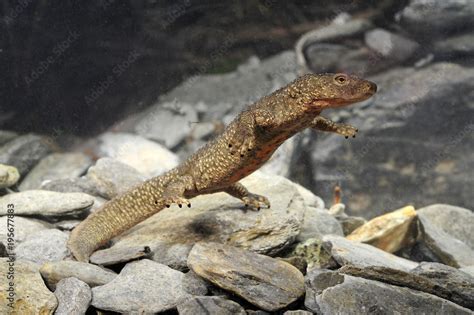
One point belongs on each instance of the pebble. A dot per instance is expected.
(24, 227)
(146, 156)
(391, 45)
(112, 178)
(43, 246)
(93, 275)
(268, 283)
(318, 222)
(56, 166)
(9, 176)
(48, 204)
(141, 286)
(74, 297)
(116, 255)
(206, 305)
(31, 296)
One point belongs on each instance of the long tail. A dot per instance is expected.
(116, 216)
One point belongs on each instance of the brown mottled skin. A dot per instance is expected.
(246, 144)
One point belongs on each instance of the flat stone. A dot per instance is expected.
(56, 166)
(330, 292)
(140, 287)
(350, 223)
(113, 178)
(266, 282)
(389, 232)
(6, 136)
(455, 221)
(469, 270)
(346, 252)
(93, 275)
(24, 152)
(452, 284)
(113, 256)
(313, 254)
(146, 156)
(74, 297)
(318, 222)
(9, 176)
(297, 312)
(81, 184)
(194, 284)
(44, 246)
(31, 296)
(457, 45)
(446, 248)
(391, 45)
(23, 227)
(205, 305)
(48, 204)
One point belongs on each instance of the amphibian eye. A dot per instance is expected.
(340, 79)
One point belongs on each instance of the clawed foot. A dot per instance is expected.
(255, 202)
(180, 201)
(242, 143)
(347, 130)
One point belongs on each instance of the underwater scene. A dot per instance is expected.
(241, 157)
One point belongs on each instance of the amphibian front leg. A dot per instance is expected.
(174, 191)
(253, 201)
(324, 124)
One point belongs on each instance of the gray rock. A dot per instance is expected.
(147, 157)
(329, 292)
(409, 113)
(455, 221)
(195, 285)
(93, 275)
(346, 252)
(318, 222)
(74, 297)
(446, 248)
(9, 176)
(459, 284)
(469, 270)
(280, 162)
(25, 151)
(350, 223)
(207, 305)
(81, 184)
(67, 225)
(43, 246)
(48, 204)
(112, 256)
(325, 57)
(219, 217)
(458, 45)
(30, 295)
(24, 227)
(113, 178)
(56, 166)
(266, 282)
(390, 45)
(297, 312)
(3, 250)
(6, 136)
(452, 284)
(139, 288)
(437, 18)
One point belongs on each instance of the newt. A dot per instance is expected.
(245, 145)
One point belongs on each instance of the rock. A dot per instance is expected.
(205, 305)
(391, 46)
(56, 166)
(74, 297)
(313, 253)
(280, 162)
(337, 209)
(139, 288)
(350, 223)
(447, 249)
(266, 282)
(437, 18)
(469, 270)
(346, 252)
(195, 285)
(459, 284)
(310, 199)
(318, 222)
(389, 232)
(112, 256)
(219, 217)
(6, 136)
(81, 184)
(24, 152)
(66, 225)
(455, 46)
(48, 204)
(297, 312)
(455, 221)
(330, 292)
(113, 178)
(147, 157)
(325, 57)
(3, 250)
(93, 275)
(9, 176)
(449, 290)
(24, 227)
(43, 246)
(28, 295)
(404, 116)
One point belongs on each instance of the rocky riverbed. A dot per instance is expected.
(401, 241)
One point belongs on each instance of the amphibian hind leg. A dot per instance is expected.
(324, 124)
(174, 191)
(253, 201)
